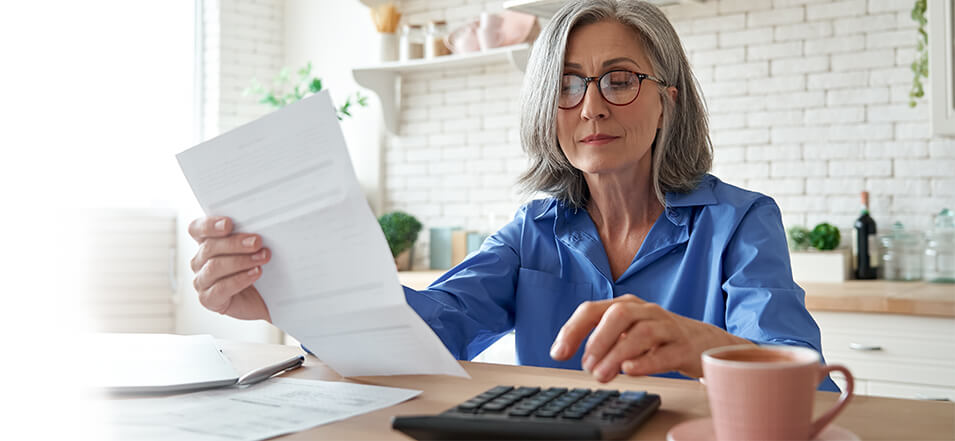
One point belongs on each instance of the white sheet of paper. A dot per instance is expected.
(332, 283)
(265, 410)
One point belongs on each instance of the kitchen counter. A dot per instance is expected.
(883, 296)
(878, 296)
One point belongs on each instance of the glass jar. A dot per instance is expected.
(940, 249)
(901, 254)
(434, 41)
(412, 42)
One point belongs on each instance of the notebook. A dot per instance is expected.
(146, 363)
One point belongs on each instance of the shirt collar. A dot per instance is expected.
(701, 195)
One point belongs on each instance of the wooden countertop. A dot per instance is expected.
(879, 296)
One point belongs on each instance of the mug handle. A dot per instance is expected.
(827, 418)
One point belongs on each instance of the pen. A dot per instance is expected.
(267, 372)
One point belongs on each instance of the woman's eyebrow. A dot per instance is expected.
(618, 60)
(605, 63)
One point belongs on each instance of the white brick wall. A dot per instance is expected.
(835, 100)
(243, 39)
(808, 102)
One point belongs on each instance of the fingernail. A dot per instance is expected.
(555, 350)
(588, 363)
(601, 373)
(259, 256)
(253, 271)
(220, 225)
(627, 366)
(249, 241)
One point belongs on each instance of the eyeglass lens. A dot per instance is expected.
(618, 87)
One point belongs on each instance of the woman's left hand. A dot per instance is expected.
(638, 338)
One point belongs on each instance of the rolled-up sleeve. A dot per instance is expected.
(472, 305)
(763, 303)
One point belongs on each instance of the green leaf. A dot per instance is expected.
(316, 85)
(824, 237)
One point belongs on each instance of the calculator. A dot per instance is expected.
(508, 412)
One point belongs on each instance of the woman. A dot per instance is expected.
(637, 247)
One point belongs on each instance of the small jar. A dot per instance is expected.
(434, 41)
(412, 42)
(901, 254)
(940, 249)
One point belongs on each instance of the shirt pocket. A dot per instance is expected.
(544, 302)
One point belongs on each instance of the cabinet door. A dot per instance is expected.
(891, 348)
(910, 391)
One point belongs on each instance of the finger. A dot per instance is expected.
(219, 296)
(619, 317)
(642, 338)
(234, 244)
(212, 226)
(663, 358)
(221, 267)
(580, 323)
(626, 311)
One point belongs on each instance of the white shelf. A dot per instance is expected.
(547, 8)
(383, 79)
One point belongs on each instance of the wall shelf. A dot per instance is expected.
(384, 79)
(547, 8)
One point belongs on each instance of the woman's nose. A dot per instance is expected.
(594, 106)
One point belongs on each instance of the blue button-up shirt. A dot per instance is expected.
(717, 254)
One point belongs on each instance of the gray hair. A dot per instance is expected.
(682, 150)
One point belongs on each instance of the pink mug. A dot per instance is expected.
(767, 392)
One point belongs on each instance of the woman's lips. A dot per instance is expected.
(598, 139)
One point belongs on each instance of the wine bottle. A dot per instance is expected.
(866, 256)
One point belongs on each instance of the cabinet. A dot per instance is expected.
(892, 355)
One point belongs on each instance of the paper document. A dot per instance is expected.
(157, 363)
(268, 409)
(332, 282)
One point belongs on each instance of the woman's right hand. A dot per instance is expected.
(226, 266)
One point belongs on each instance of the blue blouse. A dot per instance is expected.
(717, 254)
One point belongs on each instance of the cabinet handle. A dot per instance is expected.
(931, 398)
(864, 347)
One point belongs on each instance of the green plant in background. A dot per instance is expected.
(798, 238)
(279, 95)
(920, 65)
(401, 230)
(824, 237)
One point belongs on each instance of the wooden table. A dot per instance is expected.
(871, 418)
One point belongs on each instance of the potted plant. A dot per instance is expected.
(284, 91)
(401, 231)
(816, 256)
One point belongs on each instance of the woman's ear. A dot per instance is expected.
(672, 92)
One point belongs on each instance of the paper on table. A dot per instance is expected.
(332, 283)
(268, 409)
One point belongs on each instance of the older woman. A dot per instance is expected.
(637, 247)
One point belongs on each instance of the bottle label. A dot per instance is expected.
(873, 255)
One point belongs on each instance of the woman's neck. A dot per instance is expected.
(621, 203)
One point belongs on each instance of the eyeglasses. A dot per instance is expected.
(617, 87)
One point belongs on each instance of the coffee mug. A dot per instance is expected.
(767, 392)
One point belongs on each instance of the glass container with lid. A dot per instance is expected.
(411, 46)
(901, 254)
(434, 40)
(939, 257)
